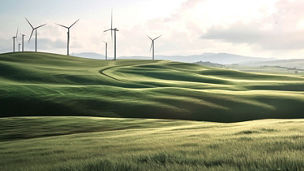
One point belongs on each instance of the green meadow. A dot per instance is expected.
(96, 143)
(41, 84)
(68, 113)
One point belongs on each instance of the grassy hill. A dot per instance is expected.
(89, 143)
(41, 84)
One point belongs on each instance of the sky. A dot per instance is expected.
(259, 28)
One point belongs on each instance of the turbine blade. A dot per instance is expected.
(31, 35)
(157, 37)
(112, 19)
(74, 23)
(149, 37)
(17, 32)
(112, 24)
(40, 26)
(63, 26)
(107, 30)
(29, 23)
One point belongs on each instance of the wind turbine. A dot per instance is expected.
(34, 29)
(23, 35)
(113, 30)
(152, 45)
(68, 33)
(106, 50)
(14, 41)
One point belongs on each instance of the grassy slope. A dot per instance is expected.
(48, 84)
(88, 143)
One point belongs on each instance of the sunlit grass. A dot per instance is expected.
(50, 84)
(86, 143)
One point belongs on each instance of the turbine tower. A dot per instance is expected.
(34, 29)
(152, 46)
(14, 41)
(106, 50)
(23, 35)
(68, 34)
(113, 30)
(19, 47)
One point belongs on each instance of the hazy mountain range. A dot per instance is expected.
(288, 63)
(220, 58)
(215, 58)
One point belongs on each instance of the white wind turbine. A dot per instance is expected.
(14, 41)
(113, 30)
(68, 34)
(153, 45)
(34, 29)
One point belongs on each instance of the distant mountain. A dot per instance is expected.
(219, 58)
(209, 64)
(288, 63)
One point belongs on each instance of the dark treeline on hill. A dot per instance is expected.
(41, 84)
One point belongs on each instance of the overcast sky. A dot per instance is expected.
(261, 28)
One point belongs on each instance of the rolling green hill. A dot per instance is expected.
(41, 84)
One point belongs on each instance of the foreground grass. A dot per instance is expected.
(89, 143)
(36, 84)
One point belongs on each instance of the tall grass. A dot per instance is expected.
(86, 143)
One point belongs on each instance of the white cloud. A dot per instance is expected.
(252, 33)
(252, 28)
(278, 34)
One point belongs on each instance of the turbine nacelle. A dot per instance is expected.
(16, 36)
(152, 43)
(70, 25)
(112, 30)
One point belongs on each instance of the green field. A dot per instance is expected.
(68, 113)
(41, 84)
(89, 143)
